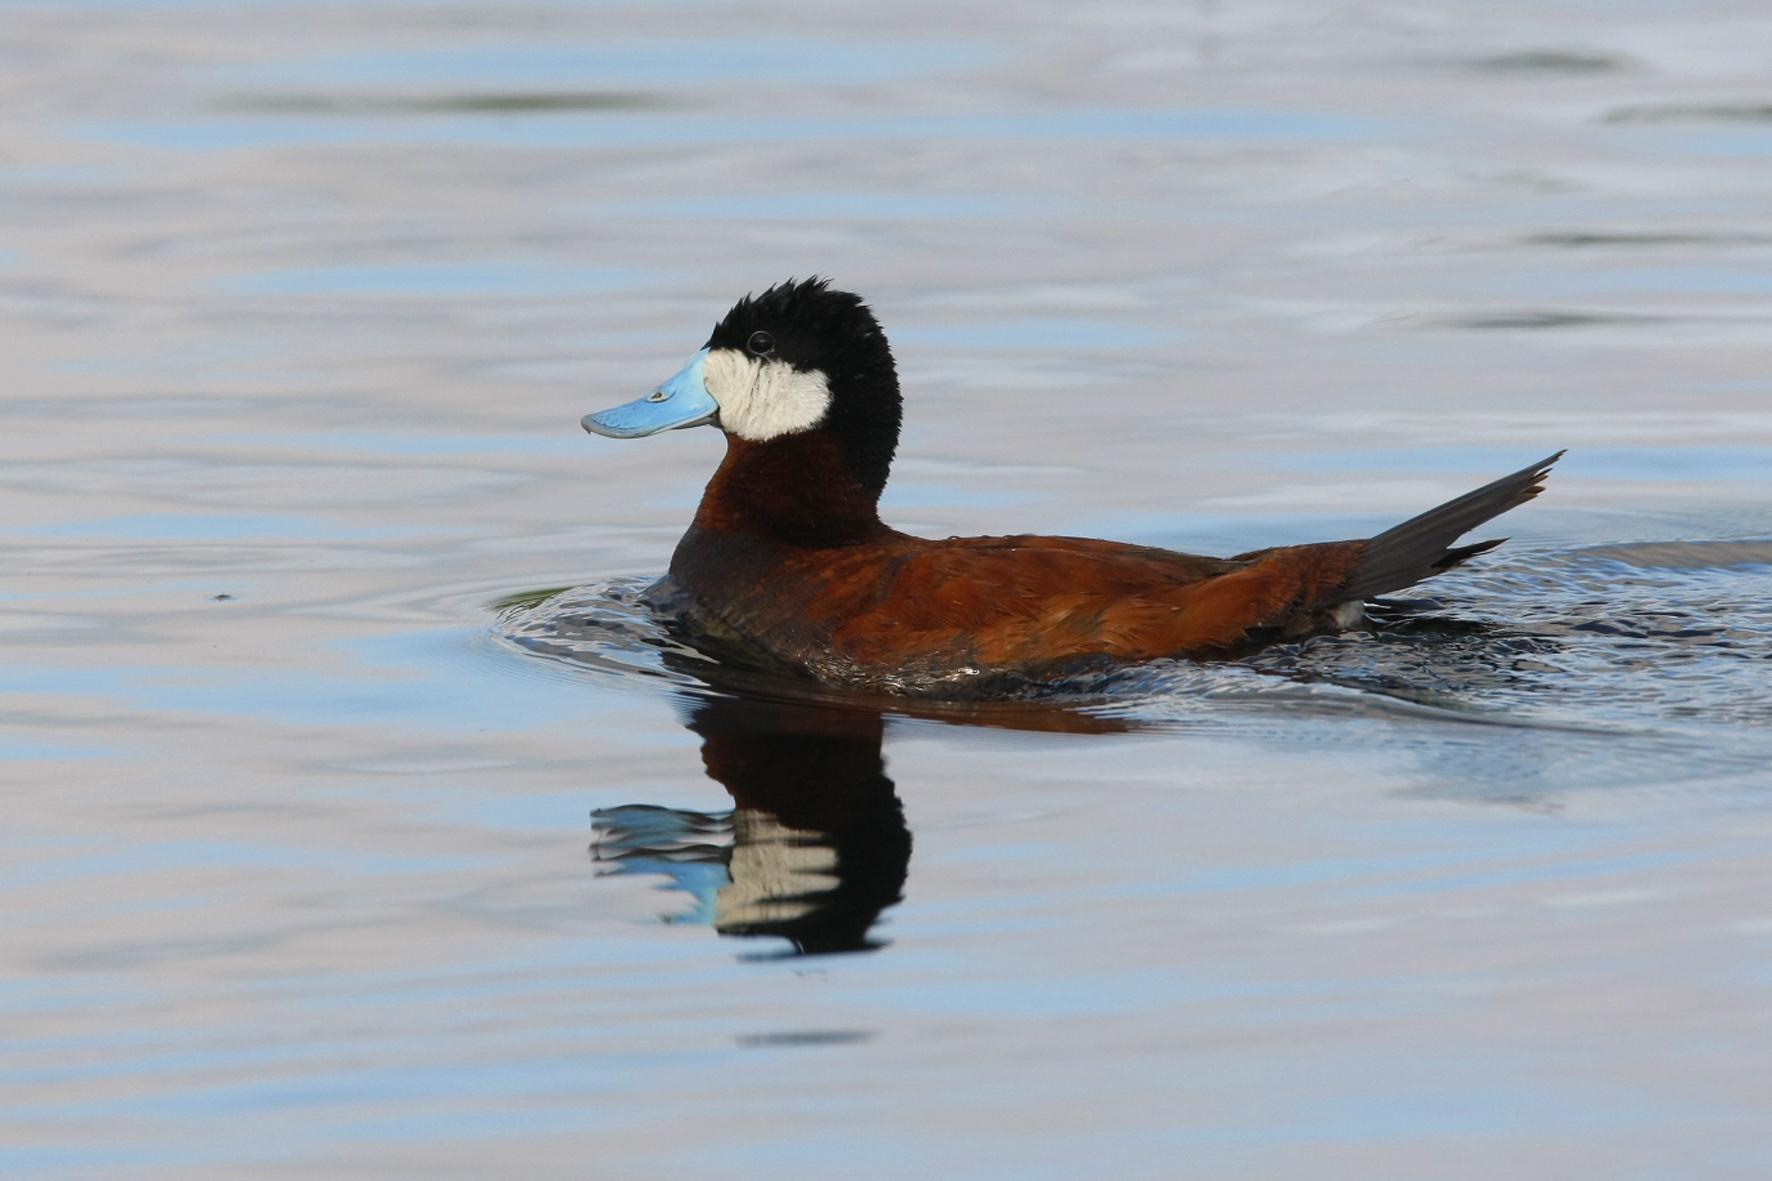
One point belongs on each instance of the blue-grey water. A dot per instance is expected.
(359, 821)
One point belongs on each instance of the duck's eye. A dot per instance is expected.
(761, 344)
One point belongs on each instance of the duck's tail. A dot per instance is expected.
(1422, 546)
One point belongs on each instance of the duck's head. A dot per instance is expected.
(786, 373)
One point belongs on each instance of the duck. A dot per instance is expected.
(788, 568)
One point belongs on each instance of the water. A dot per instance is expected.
(360, 820)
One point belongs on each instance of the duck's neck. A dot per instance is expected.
(796, 490)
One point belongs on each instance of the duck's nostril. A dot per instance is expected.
(657, 396)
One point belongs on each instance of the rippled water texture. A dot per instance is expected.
(360, 820)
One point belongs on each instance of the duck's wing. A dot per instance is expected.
(1022, 602)
(1075, 561)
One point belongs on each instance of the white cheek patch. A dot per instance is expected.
(762, 399)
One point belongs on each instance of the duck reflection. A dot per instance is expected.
(815, 847)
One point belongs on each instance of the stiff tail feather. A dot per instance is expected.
(1422, 546)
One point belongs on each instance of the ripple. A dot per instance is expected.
(607, 630)
(1548, 61)
(1745, 112)
(1535, 320)
(486, 103)
(1643, 239)
(603, 628)
(1658, 649)
(1682, 555)
(1638, 636)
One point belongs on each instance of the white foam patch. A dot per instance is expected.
(762, 399)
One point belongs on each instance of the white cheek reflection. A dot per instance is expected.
(764, 399)
(777, 873)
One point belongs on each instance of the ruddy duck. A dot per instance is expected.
(788, 566)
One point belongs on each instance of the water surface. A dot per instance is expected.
(360, 820)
